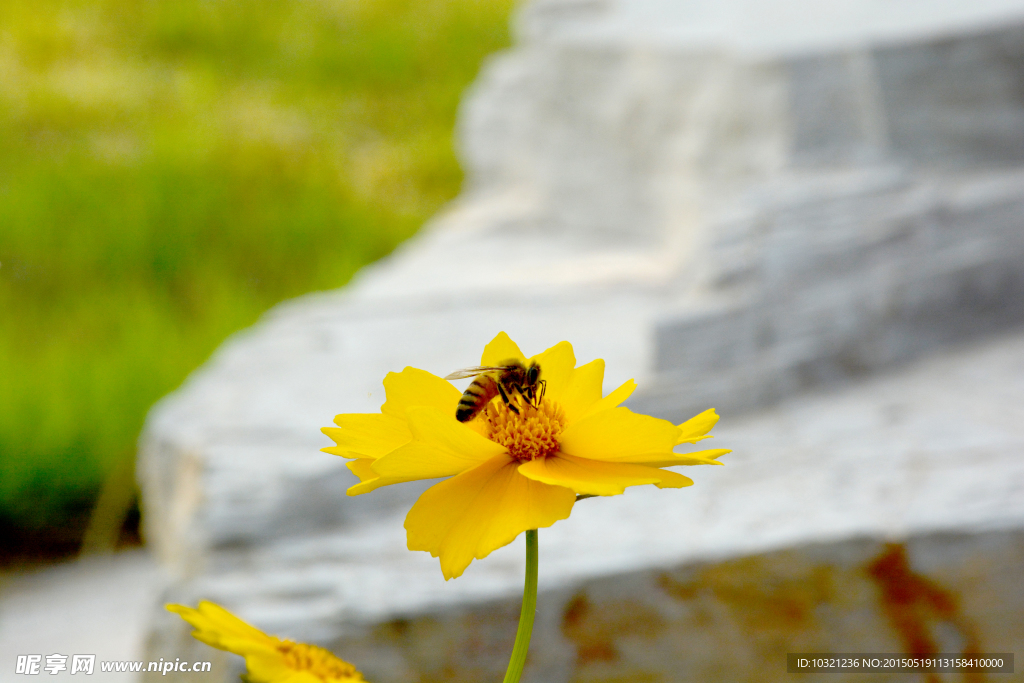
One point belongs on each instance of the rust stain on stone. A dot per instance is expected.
(766, 598)
(593, 629)
(914, 605)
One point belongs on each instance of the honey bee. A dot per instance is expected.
(505, 380)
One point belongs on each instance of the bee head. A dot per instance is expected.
(533, 373)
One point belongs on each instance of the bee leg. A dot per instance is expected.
(528, 393)
(504, 397)
(543, 389)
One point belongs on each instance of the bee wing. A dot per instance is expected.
(472, 372)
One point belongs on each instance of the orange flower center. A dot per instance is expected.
(317, 661)
(530, 434)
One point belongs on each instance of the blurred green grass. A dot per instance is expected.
(169, 169)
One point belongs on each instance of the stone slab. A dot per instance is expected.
(734, 203)
(757, 27)
(97, 605)
(931, 453)
(705, 222)
(732, 620)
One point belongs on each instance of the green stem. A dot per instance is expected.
(515, 664)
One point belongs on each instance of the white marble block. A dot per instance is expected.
(808, 214)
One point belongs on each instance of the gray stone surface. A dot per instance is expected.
(735, 203)
(98, 605)
(932, 456)
(841, 276)
(727, 621)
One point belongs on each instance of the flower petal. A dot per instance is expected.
(361, 468)
(366, 435)
(306, 677)
(240, 646)
(616, 434)
(612, 400)
(556, 367)
(673, 480)
(415, 387)
(582, 390)
(268, 668)
(213, 619)
(672, 459)
(370, 480)
(266, 656)
(697, 428)
(501, 349)
(441, 446)
(481, 510)
(596, 477)
(675, 459)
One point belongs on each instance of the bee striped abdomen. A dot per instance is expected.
(476, 398)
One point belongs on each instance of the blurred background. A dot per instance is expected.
(168, 171)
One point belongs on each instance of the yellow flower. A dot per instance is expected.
(510, 471)
(268, 659)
